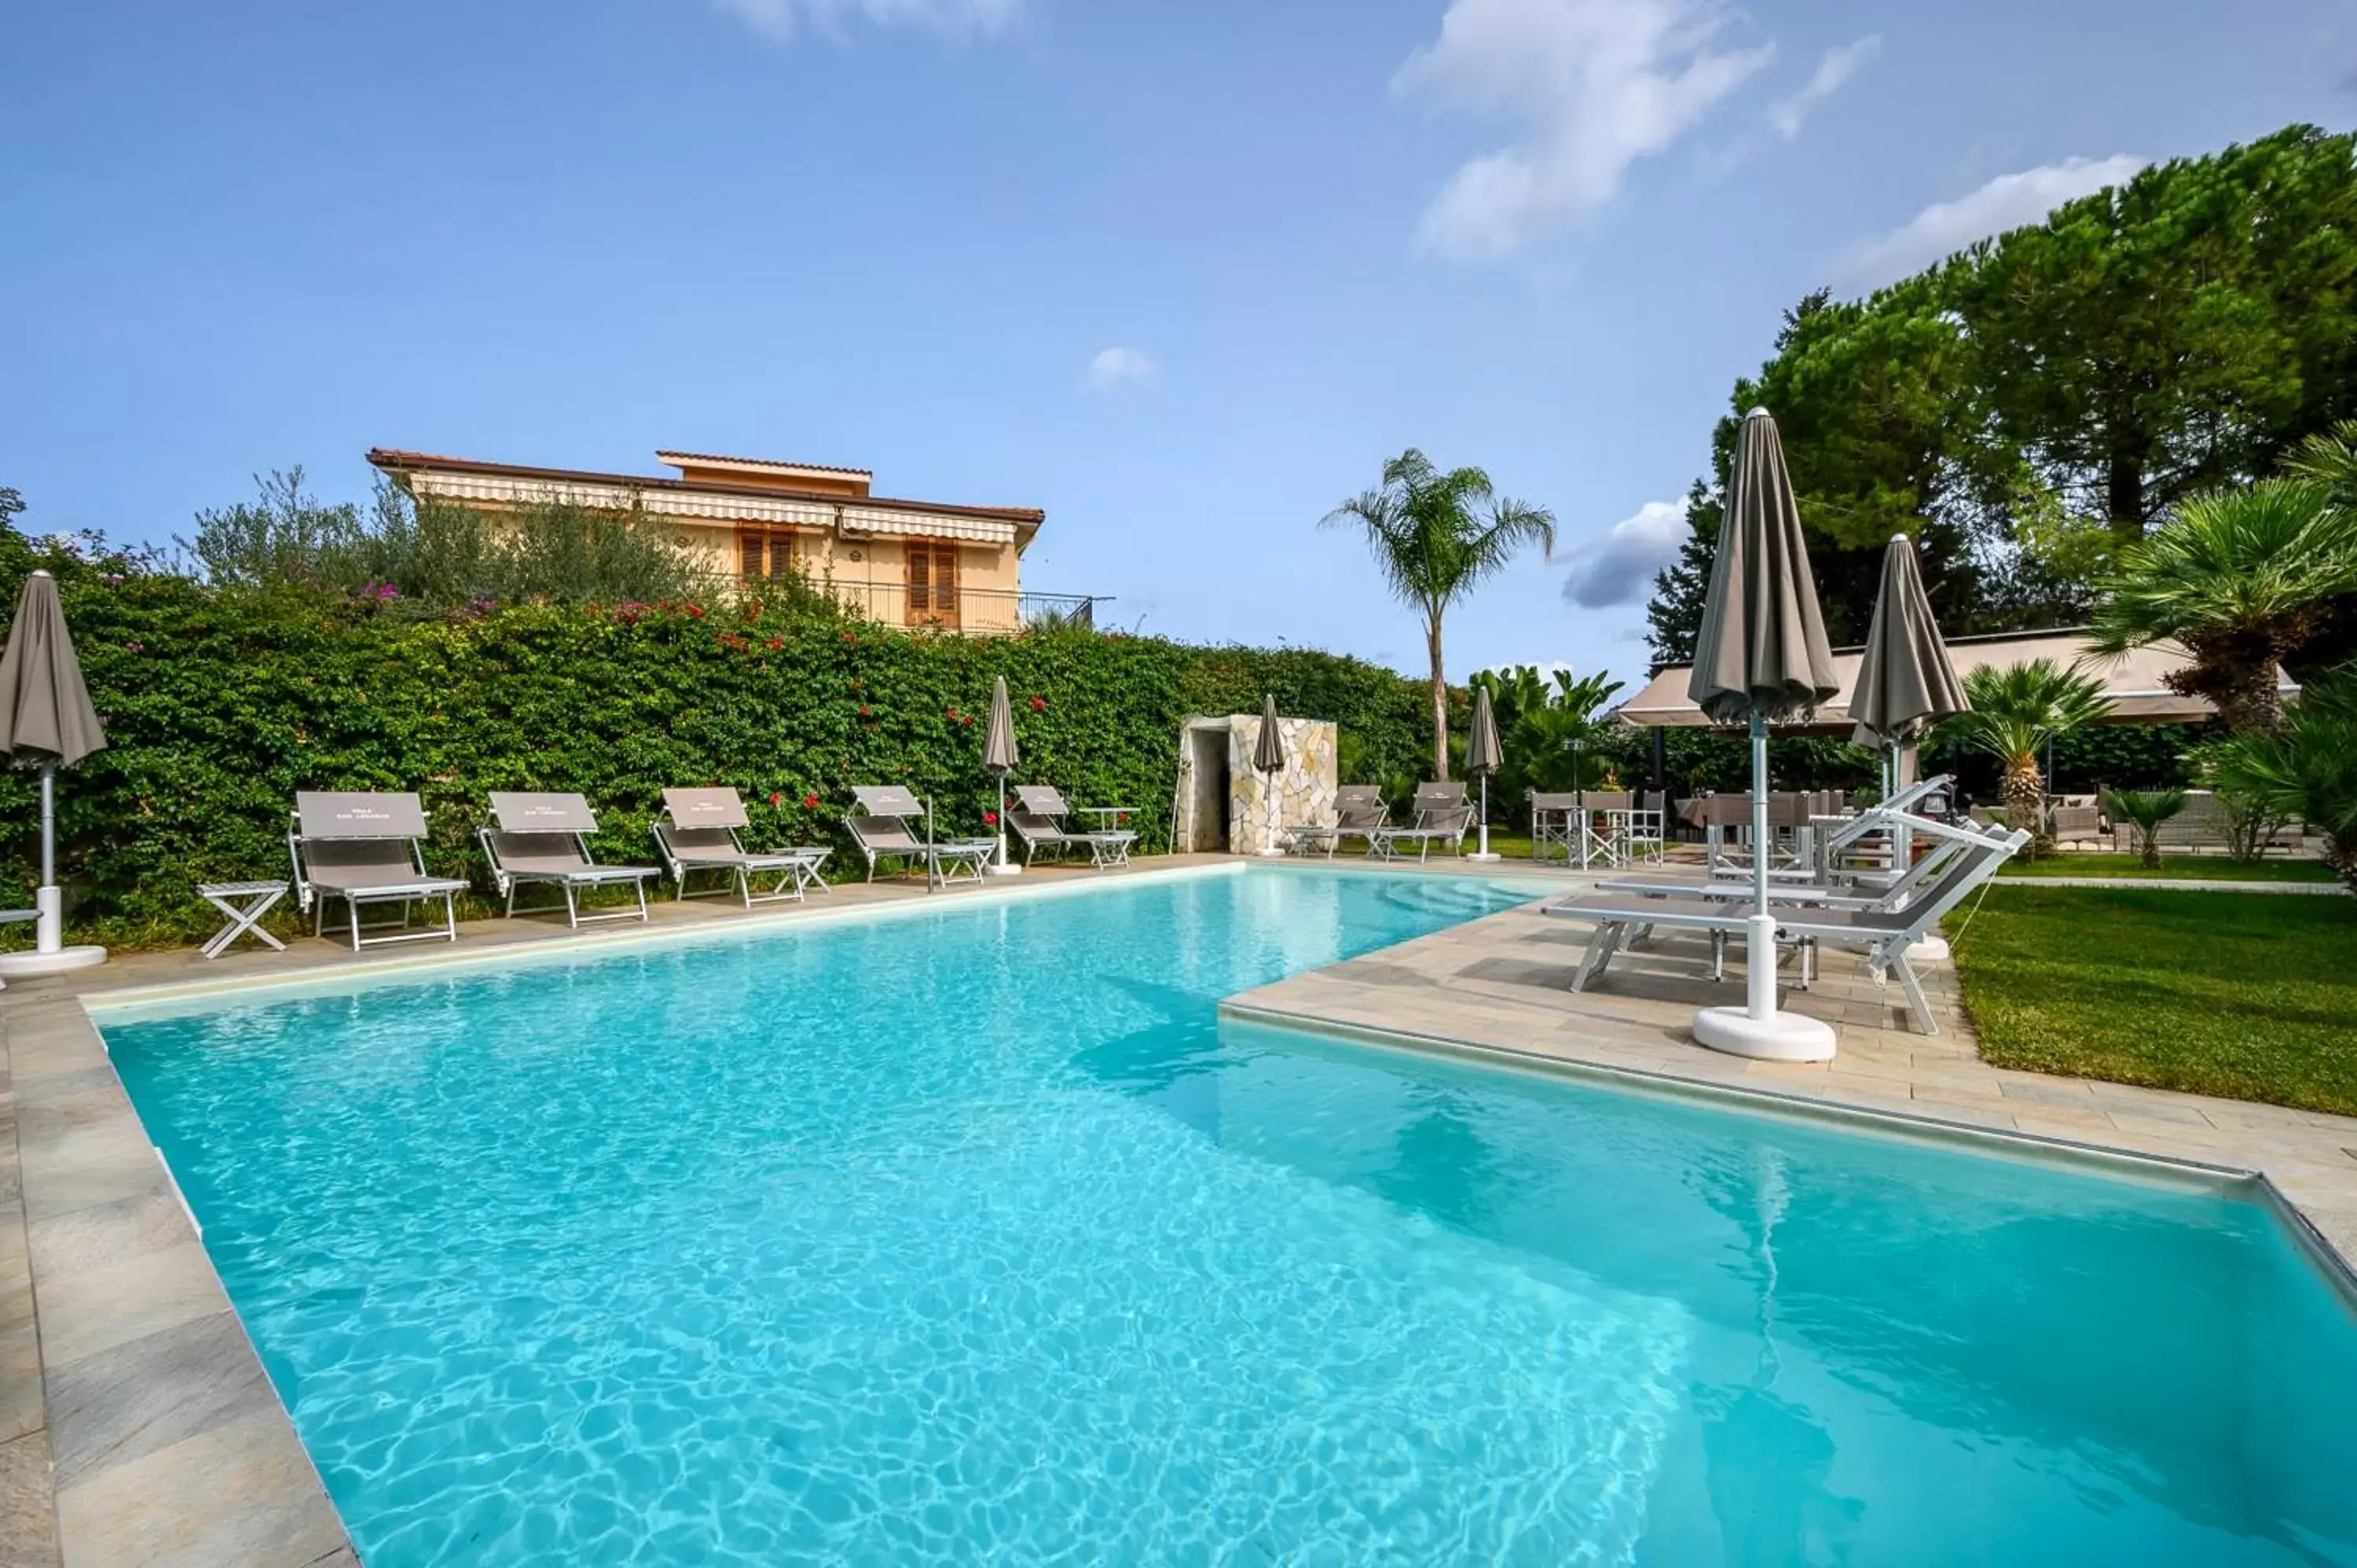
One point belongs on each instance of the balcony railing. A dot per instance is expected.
(965, 609)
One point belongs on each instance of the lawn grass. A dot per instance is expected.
(2182, 867)
(2246, 995)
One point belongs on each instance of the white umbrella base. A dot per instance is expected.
(62, 960)
(1933, 947)
(1009, 870)
(1777, 1037)
(1484, 856)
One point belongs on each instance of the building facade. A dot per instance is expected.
(905, 562)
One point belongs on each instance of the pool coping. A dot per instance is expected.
(138, 1424)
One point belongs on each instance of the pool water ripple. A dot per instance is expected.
(974, 1237)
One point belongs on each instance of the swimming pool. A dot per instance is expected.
(971, 1235)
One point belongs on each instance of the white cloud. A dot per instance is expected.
(1789, 114)
(784, 19)
(1593, 85)
(1116, 367)
(2009, 201)
(1618, 565)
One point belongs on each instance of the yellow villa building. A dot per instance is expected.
(905, 562)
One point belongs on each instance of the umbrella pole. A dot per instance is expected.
(1485, 816)
(1002, 821)
(1759, 976)
(48, 932)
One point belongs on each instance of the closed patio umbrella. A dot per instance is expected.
(1904, 682)
(1904, 679)
(1268, 761)
(1484, 756)
(46, 721)
(1001, 756)
(1762, 655)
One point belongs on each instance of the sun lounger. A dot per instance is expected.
(1442, 815)
(1887, 893)
(702, 830)
(366, 849)
(1359, 809)
(887, 824)
(543, 838)
(1038, 817)
(1884, 935)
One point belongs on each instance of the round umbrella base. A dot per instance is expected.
(26, 965)
(1933, 948)
(1484, 856)
(1777, 1037)
(1010, 869)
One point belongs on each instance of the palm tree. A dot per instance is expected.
(2146, 810)
(2015, 710)
(2307, 769)
(2240, 578)
(1436, 536)
(1564, 736)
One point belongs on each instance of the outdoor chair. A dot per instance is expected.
(1038, 818)
(1359, 809)
(1882, 934)
(367, 849)
(1553, 823)
(702, 830)
(544, 838)
(1441, 815)
(885, 826)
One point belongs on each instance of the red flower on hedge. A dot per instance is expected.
(810, 801)
(1123, 817)
(774, 643)
(1038, 704)
(863, 710)
(990, 818)
(776, 798)
(953, 712)
(850, 637)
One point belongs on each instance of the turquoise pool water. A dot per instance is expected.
(971, 1237)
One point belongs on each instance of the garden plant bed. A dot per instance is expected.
(2231, 995)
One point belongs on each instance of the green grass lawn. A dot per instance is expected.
(2184, 868)
(2247, 996)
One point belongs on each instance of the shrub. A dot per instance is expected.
(2308, 770)
(223, 700)
(2147, 808)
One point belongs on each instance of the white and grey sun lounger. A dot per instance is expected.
(1038, 818)
(1442, 815)
(365, 848)
(1881, 891)
(1883, 935)
(543, 837)
(702, 830)
(884, 827)
(1359, 811)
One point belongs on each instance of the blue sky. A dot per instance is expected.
(1182, 274)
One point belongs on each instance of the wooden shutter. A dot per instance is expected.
(945, 584)
(749, 552)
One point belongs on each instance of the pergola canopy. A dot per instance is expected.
(2136, 682)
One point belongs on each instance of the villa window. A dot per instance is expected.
(932, 582)
(765, 553)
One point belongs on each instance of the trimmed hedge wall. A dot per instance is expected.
(220, 705)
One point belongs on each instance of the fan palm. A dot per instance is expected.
(2308, 770)
(2146, 810)
(2016, 709)
(2239, 578)
(1436, 536)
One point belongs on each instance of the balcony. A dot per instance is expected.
(939, 607)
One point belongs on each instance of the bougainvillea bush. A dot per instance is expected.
(220, 702)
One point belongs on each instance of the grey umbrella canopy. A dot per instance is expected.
(1482, 752)
(45, 715)
(1761, 655)
(999, 752)
(47, 722)
(1268, 754)
(1904, 679)
(1761, 649)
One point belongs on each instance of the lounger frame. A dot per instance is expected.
(339, 825)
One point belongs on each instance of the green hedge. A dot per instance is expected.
(220, 704)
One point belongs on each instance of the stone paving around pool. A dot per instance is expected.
(137, 1427)
(1498, 987)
